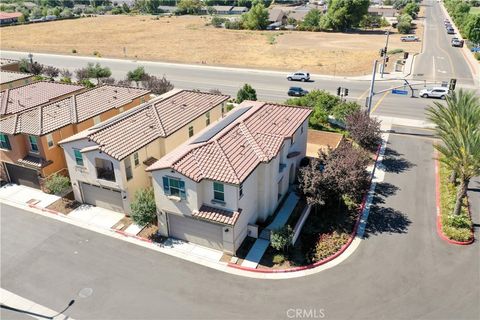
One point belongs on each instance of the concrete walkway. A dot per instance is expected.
(260, 246)
(26, 195)
(97, 216)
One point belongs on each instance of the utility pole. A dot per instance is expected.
(372, 84)
(382, 69)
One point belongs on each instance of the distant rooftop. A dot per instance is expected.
(4, 62)
(10, 76)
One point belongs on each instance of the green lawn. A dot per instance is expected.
(475, 10)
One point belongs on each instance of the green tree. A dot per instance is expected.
(36, 13)
(256, 18)
(98, 72)
(152, 6)
(281, 239)
(404, 24)
(345, 14)
(458, 126)
(246, 93)
(190, 6)
(322, 103)
(312, 20)
(137, 75)
(144, 210)
(472, 28)
(57, 184)
(412, 9)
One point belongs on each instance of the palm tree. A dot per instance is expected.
(458, 126)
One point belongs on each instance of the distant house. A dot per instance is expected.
(7, 18)
(9, 64)
(238, 10)
(12, 79)
(383, 11)
(29, 5)
(222, 9)
(168, 9)
(277, 16)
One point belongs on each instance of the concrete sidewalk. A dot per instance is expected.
(26, 195)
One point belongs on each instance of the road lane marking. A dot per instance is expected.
(379, 101)
(363, 94)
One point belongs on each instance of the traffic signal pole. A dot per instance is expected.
(372, 84)
(382, 69)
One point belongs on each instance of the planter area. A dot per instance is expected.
(65, 205)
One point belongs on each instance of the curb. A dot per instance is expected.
(439, 210)
(330, 258)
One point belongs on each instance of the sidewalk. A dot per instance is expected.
(27, 196)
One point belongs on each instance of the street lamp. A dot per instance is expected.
(30, 57)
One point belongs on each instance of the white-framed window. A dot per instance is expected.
(33, 141)
(96, 120)
(5, 142)
(174, 187)
(50, 142)
(78, 157)
(136, 160)
(218, 191)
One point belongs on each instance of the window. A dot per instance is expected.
(50, 140)
(190, 131)
(218, 192)
(240, 190)
(208, 118)
(33, 143)
(78, 157)
(96, 120)
(136, 162)
(4, 142)
(128, 168)
(174, 187)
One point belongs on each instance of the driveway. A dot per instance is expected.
(402, 270)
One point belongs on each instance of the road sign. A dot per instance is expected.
(398, 91)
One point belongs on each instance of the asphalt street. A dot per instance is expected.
(402, 270)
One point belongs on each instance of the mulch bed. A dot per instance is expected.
(149, 232)
(65, 205)
(123, 224)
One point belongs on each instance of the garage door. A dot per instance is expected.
(24, 176)
(110, 199)
(196, 231)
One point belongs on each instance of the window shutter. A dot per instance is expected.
(166, 186)
(181, 185)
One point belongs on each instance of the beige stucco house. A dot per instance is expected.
(231, 175)
(107, 162)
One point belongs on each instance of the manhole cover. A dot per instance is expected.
(85, 292)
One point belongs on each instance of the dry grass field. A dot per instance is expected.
(188, 39)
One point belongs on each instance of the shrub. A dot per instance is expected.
(96, 53)
(278, 259)
(87, 83)
(234, 25)
(218, 21)
(364, 130)
(246, 93)
(477, 56)
(329, 244)
(344, 109)
(57, 184)
(281, 239)
(157, 85)
(395, 51)
(229, 107)
(143, 207)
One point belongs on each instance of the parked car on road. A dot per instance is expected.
(409, 38)
(450, 30)
(475, 49)
(436, 92)
(457, 42)
(297, 92)
(299, 76)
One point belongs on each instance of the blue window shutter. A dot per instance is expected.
(166, 186)
(181, 184)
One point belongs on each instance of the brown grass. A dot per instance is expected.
(187, 39)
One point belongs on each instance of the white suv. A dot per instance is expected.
(437, 92)
(299, 76)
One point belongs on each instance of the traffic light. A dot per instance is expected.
(339, 90)
(405, 55)
(386, 59)
(452, 84)
(345, 92)
(382, 52)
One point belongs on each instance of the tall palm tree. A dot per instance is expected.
(458, 126)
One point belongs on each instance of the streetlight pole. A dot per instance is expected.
(372, 84)
(382, 69)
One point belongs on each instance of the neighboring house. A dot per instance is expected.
(7, 18)
(29, 148)
(219, 9)
(238, 10)
(29, 5)
(277, 16)
(168, 9)
(9, 64)
(107, 162)
(383, 11)
(34, 94)
(232, 174)
(11, 79)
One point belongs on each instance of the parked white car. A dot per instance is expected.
(436, 92)
(299, 76)
(410, 38)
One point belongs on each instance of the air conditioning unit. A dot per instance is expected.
(252, 230)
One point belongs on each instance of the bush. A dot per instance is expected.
(234, 25)
(74, 51)
(278, 259)
(477, 56)
(217, 21)
(143, 207)
(364, 130)
(229, 107)
(329, 244)
(246, 93)
(344, 109)
(281, 239)
(395, 51)
(57, 184)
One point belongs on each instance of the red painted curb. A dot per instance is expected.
(123, 233)
(328, 259)
(439, 210)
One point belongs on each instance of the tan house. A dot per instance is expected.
(29, 148)
(9, 64)
(33, 95)
(13, 79)
(107, 162)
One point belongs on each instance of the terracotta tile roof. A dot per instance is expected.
(34, 94)
(9, 76)
(160, 117)
(232, 150)
(34, 162)
(74, 109)
(9, 15)
(216, 215)
(4, 61)
(321, 140)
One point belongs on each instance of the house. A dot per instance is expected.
(34, 94)
(12, 79)
(7, 18)
(29, 140)
(277, 16)
(29, 5)
(221, 9)
(107, 162)
(383, 11)
(9, 64)
(231, 175)
(238, 10)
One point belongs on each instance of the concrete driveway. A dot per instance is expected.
(97, 216)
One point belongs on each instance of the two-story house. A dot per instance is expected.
(107, 162)
(230, 175)
(29, 147)
(12, 79)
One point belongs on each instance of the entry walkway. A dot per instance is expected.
(260, 246)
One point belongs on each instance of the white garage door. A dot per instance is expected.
(110, 199)
(196, 231)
